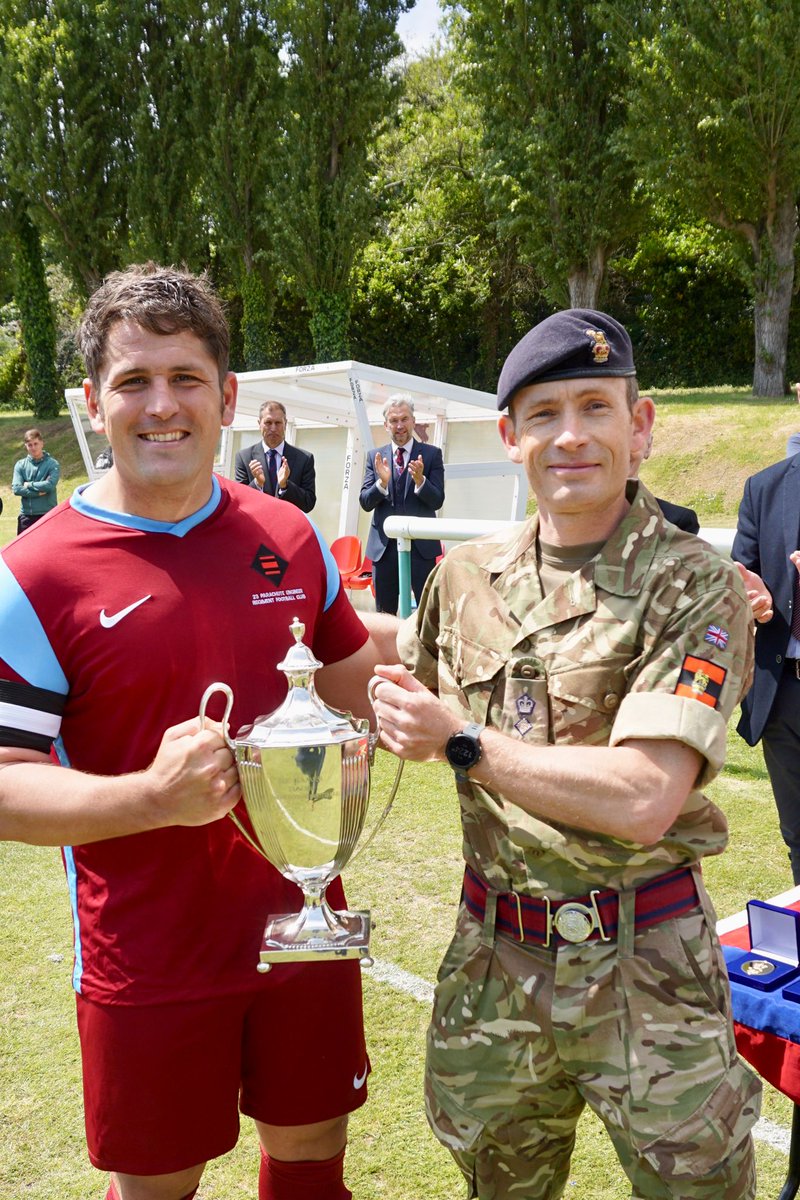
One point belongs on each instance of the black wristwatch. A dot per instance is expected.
(463, 750)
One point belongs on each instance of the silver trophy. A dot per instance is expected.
(305, 778)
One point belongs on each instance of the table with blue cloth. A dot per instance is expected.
(767, 1031)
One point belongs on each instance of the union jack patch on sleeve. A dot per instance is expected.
(701, 680)
(717, 636)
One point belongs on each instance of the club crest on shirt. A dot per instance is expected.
(700, 680)
(269, 564)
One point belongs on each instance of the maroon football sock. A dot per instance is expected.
(308, 1180)
(113, 1194)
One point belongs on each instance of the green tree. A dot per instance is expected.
(65, 95)
(340, 89)
(684, 299)
(35, 311)
(239, 94)
(164, 68)
(438, 275)
(551, 104)
(715, 123)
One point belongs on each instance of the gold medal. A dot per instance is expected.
(758, 966)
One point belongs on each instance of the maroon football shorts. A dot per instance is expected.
(164, 1084)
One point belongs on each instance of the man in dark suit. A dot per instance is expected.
(273, 466)
(405, 477)
(766, 550)
(676, 514)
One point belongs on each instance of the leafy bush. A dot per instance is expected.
(12, 374)
(683, 298)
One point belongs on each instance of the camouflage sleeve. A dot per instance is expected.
(695, 668)
(417, 639)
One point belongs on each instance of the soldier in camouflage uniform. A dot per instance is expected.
(595, 656)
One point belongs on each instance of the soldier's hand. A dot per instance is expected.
(414, 723)
(758, 593)
(193, 776)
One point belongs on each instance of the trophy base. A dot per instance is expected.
(295, 938)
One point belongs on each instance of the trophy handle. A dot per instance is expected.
(373, 744)
(374, 738)
(386, 810)
(228, 694)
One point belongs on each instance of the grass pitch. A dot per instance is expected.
(410, 878)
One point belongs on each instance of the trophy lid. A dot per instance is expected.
(303, 719)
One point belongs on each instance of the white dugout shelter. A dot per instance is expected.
(334, 410)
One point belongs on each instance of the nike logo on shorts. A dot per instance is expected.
(109, 622)
(360, 1080)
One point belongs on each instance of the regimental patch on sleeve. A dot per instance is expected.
(701, 680)
(30, 717)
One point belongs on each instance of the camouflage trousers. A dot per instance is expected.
(522, 1038)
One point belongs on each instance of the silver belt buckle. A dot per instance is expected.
(576, 922)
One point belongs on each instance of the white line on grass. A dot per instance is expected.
(402, 981)
(414, 985)
(774, 1135)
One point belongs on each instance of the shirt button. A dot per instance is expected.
(610, 701)
(526, 672)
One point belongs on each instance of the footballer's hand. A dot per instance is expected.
(414, 723)
(193, 777)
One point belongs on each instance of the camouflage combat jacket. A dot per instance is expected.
(652, 638)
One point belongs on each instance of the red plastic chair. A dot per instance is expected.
(361, 579)
(347, 553)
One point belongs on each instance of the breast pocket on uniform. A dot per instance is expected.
(584, 700)
(469, 671)
(523, 702)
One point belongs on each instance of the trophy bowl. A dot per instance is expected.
(305, 778)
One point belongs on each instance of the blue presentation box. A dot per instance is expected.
(773, 959)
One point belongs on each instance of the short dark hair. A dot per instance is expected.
(162, 300)
(631, 391)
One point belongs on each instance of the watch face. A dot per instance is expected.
(462, 751)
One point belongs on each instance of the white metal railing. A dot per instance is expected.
(451, 529)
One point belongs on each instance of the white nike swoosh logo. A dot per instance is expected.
(109, 622)
(360, 1080)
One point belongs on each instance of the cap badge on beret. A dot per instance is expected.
(600, 348)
